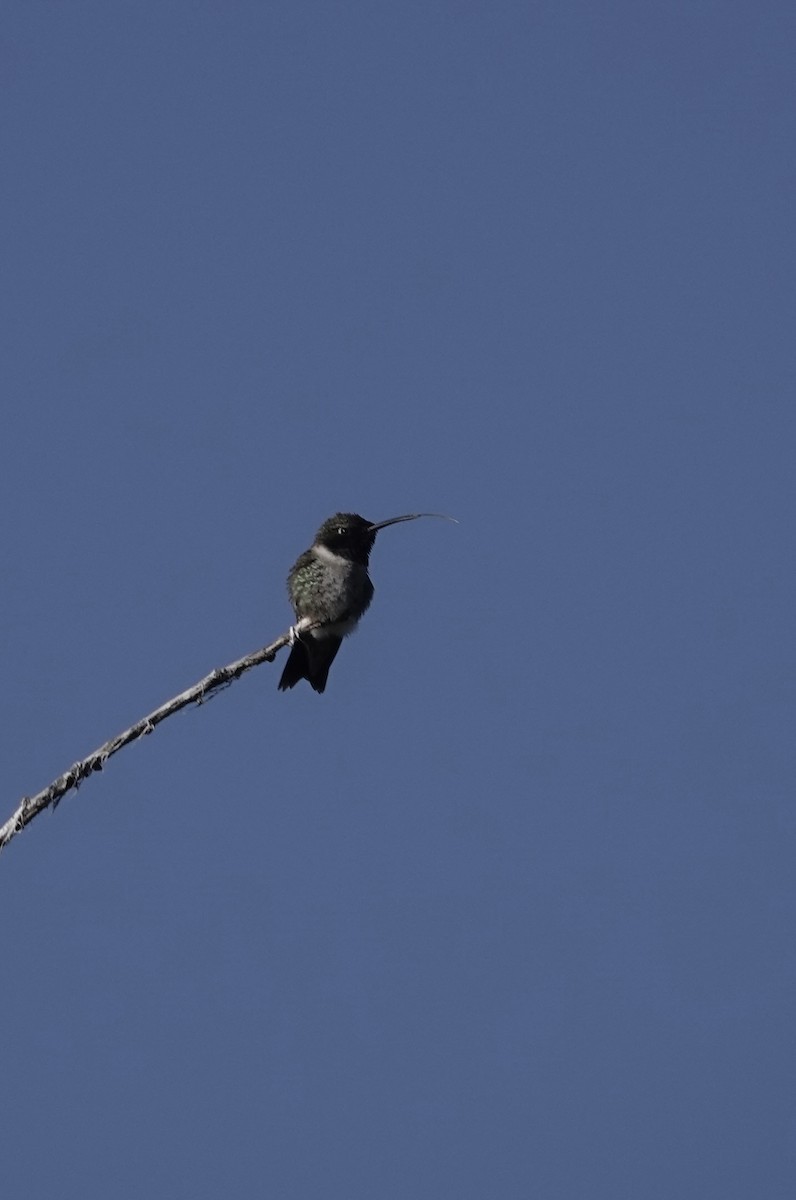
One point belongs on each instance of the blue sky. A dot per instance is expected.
(509, 910)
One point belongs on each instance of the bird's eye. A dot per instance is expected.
(341, 530)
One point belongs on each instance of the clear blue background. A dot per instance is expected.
(509, 911)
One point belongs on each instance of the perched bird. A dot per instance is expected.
(330, 589)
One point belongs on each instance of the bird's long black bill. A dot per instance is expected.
(410, 517)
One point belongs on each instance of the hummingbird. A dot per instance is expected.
(330, 589)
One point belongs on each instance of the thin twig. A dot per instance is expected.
(30, 806)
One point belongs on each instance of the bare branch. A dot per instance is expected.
(30, 806)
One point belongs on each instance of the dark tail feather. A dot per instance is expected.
(295, 667)
(310, 661)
